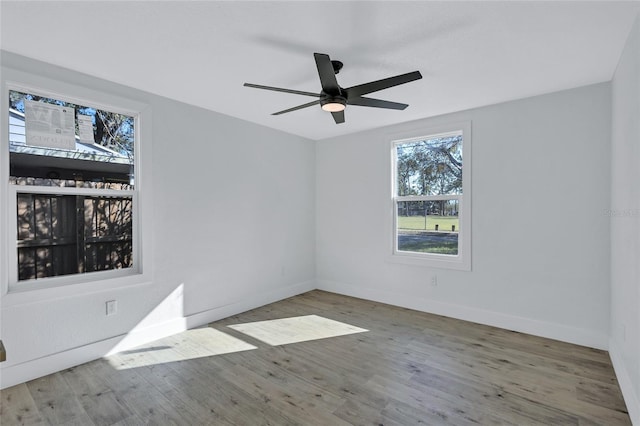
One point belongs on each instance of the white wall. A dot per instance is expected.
(233, 225)
(540, 238)
(625, 223)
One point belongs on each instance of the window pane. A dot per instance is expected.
(432, 166)
(69, 144)
(70, 234)
(428, 226)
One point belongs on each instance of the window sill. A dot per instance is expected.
(430, 261)
(71, 286)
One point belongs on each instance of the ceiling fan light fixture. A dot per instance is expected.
(335, 104)
(333, 107)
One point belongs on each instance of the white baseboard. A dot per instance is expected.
(247, 304)
(631, 398)
(32, 369)
(578, 336)
(148, 334)
(25, 371)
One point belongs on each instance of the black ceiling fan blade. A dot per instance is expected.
(376, 103)
(327, 75)
(385, 83)
(278, 89)
(295, 108)
(338, 117)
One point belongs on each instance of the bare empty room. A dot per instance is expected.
(320, 213)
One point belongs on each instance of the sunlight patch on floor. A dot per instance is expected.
(190, 344)
(296, 329)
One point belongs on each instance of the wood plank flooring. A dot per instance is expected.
(410, 368)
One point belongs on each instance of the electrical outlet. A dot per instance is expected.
(434, 280)
(112, 307)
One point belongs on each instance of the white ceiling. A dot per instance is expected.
(469, 53)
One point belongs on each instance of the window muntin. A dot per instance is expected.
(75, 205)
(431, 200)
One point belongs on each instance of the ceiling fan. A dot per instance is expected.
(335, 99)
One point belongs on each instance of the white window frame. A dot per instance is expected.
(74, 284)
(461, 261)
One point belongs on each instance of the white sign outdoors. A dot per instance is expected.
(50, 126)
(85, 128)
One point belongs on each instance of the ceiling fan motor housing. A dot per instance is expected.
(333, 103)
(331, 99)
(337, 66)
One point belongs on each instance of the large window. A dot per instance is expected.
(431, 198)
(72, 184)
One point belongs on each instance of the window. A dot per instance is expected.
(431, 199)
(72, 187)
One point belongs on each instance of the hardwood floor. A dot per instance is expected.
(410, 368)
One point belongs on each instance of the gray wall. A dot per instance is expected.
(540, 238)
(625, 223)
